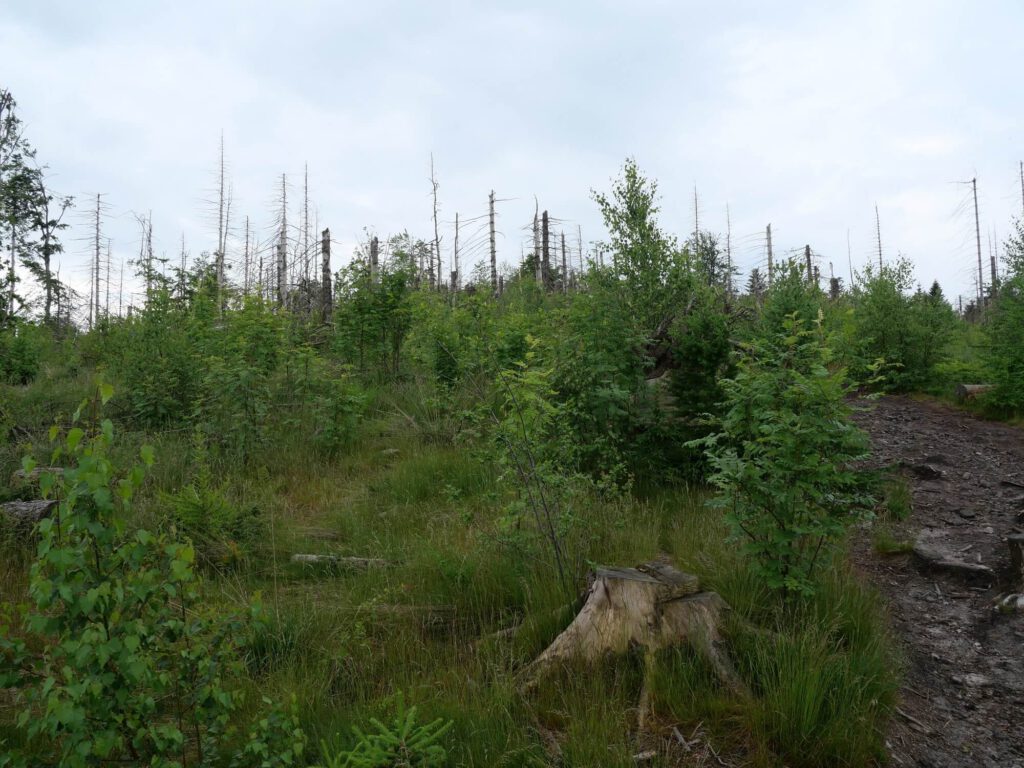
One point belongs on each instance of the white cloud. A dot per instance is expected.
(799, 114)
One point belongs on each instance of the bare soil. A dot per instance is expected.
(963, 696)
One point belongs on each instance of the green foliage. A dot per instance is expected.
(120, 662)
(403, 742)
(276, 741)
(645, 259)
(19, 355)
(374, 312)
(789, 294)
(222, 533)
(819, 703)
(899, 500)
(908, 331)
(1004, 331)
(155, 362)
(782, 460)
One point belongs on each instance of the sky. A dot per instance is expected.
(804, 115)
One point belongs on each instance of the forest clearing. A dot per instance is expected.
(453, 495)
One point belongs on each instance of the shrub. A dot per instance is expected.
(19, 355)
(155, 363)
(781, 461)
(120, 663)
(910, 332)
(1005, 351)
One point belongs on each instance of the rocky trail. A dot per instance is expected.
(952, 598)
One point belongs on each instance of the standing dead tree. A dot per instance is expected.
(565, 267)
(494, 249)
(545, 234)
(326, 296)
(435, 277)
(282, 246)
(538, 265)
(221, 227)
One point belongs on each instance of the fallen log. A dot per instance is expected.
(653, 606)
(21, 477)
(28, 512)
(965, 392)
(337, 561)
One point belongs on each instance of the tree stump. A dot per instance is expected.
(652, 606)
(965, 392)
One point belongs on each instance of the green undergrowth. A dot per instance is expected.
(460, 609)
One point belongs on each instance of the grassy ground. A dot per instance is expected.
(347, 643)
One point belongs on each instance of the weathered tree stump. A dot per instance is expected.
(653, 606)
(965, 392)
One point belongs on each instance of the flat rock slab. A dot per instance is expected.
(934, 551)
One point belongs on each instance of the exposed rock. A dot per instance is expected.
(934, 553)
(973, 680)
(924, 471)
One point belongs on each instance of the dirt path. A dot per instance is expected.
(963, 697)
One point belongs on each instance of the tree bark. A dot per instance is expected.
(653, 606)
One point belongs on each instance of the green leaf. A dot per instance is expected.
(74, 438)
(106, 392)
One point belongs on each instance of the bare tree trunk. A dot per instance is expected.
(326, 297)
(494, 249)
(565, 268)
(95, 312)
(437, 236)
(245, 261)
(455, 256)
(11, 276)
(374, 256)
(282, 248)
(538, 266)
(546, 251)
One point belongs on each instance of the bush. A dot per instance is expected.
(19, 355)
(782, 460)
(120, 663)
(1005, 351)
(908, 332)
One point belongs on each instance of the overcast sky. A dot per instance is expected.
(804, 115)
